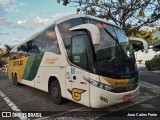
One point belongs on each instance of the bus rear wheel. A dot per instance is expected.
(15, 80)
(55, 92)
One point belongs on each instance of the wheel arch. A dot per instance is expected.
(51, 79)
(54, 77)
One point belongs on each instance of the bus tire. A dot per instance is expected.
(15, 81)
(55, 92)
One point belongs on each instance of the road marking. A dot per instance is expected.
(12, 105)
(151, 87)
(149, 106)
(59, 114)
(114, 108)
(130, 105)
(68, 111)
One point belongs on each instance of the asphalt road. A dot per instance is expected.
(29, 99)
(150, 77)
(3, 76)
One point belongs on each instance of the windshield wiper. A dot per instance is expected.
(111, 35)
(121, 49)
(116, 39)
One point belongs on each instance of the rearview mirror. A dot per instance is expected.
(93, 29)
(142, 41)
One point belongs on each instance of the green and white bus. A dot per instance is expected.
(79, 57)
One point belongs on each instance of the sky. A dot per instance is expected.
(21, 18)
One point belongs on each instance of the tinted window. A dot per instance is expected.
(13, 54)
(66, 34)
(50, 43)
(79, 56)
(45, 42)
(32, 47)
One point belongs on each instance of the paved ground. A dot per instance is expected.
(145, 110)
(29, 99)
(150, 77)
(3, 76)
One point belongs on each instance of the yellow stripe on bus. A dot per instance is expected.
(116, 82)
(17, 66)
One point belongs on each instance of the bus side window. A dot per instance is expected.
(14, 54)
(66, 34)
(49, 42)
(22, 50)
(79, 54)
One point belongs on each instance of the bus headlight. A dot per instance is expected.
(99, 84)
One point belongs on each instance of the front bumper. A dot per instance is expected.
(100, 98)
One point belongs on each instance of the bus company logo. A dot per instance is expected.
(120, 83)
(18, 63)
(50, 60)
(76, 93)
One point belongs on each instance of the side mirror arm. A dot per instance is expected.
(93, 29)
(145, 44)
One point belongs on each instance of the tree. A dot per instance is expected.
(154, 63)
(131, 15)
(146, 34)
(8, 48)
(1, 59)
(1, 52)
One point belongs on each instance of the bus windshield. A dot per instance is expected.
(122, 40)
(114, 50)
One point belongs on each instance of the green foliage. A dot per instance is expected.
(148, 65)
(4, 55)
(3, 62)
(65, 2)
(8, 49)
(131, 15)
(153, 64)
(145, 34)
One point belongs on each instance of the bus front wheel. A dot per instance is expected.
(55, 92)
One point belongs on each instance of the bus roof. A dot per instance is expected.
(60, 20)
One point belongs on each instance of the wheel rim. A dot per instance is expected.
(55, 92)
(15, 80)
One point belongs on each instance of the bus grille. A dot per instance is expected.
(124, 88)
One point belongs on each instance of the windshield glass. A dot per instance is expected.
(124, 43)
(106, 50)
(114, 49)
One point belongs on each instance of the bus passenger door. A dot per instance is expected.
(79, 71)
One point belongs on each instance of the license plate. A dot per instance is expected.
(127, 97)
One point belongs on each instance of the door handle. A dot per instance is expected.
(74, 77)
